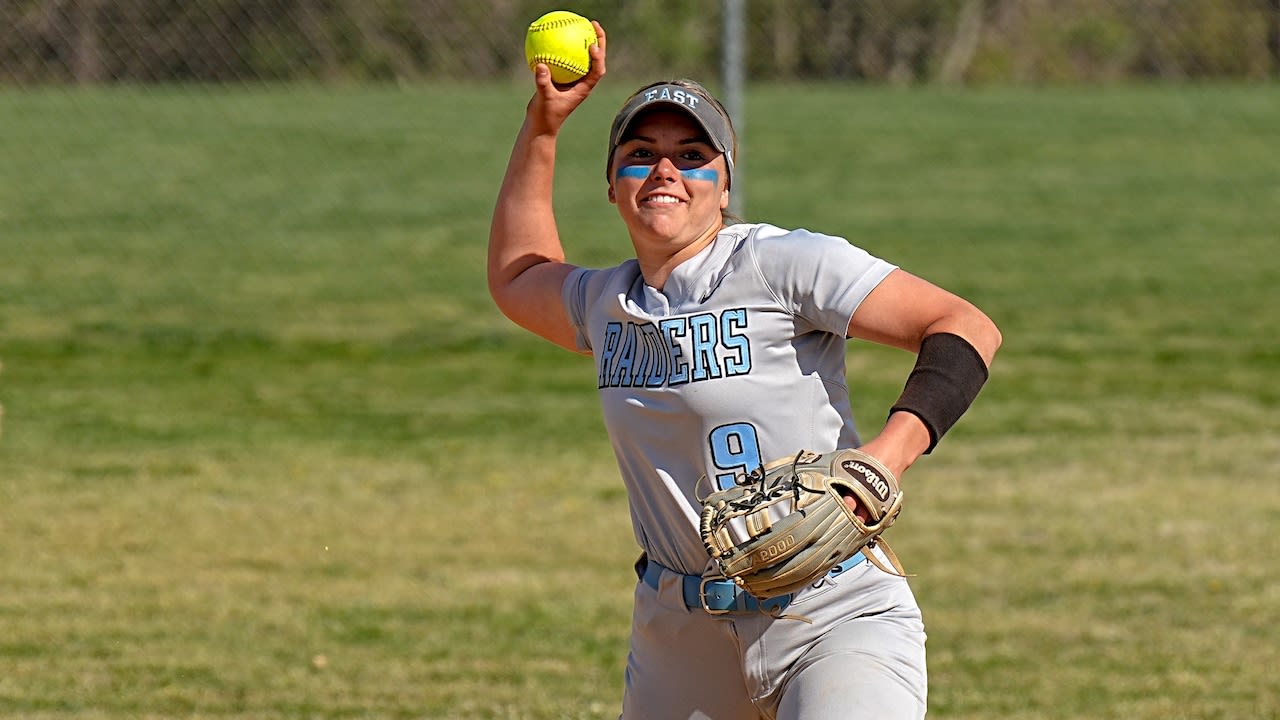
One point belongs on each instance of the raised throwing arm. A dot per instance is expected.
(526, 266)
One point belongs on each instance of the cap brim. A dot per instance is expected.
(670, 96)
(715, 133)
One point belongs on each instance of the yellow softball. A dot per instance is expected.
(560, 40)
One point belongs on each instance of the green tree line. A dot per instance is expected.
(903, 41)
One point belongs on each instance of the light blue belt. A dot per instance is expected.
(720, 596)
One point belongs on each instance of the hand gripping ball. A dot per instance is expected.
(560, 40)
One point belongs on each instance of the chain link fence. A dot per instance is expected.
(82, 42)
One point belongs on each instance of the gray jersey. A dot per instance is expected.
(738, 360)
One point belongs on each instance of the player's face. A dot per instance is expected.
(669, 182)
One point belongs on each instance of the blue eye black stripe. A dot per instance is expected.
(701, 174)
(640, 172)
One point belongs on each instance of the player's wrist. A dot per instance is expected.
(539, 131)
(902, 441)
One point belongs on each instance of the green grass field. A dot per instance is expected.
(269, 451)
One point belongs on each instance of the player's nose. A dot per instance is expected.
(664, 170)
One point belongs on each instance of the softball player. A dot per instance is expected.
(717, 347)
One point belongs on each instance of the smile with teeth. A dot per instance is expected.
(662, 199)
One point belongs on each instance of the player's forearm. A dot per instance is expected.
(523, 232)
(526, 262)
(974, 326)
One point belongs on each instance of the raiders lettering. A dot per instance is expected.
(675, 351)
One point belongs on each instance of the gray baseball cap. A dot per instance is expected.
(691, 98)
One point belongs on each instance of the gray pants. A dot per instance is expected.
(861, 656)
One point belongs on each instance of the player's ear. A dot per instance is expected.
(724, 198)
(613, 199)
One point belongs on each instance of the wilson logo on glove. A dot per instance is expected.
(869, 478)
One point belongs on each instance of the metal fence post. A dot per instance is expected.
(732, 73)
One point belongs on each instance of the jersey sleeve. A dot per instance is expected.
(821, 279)
(574, 296)
(584, 289)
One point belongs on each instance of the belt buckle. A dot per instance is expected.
(702, 596)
